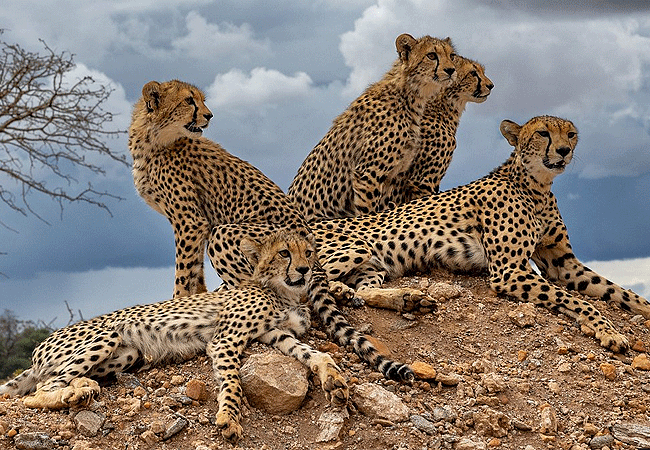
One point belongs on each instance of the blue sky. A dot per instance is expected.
(277, 73)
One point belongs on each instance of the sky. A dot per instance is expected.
(277, 73)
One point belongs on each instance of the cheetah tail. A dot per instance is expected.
(345, 334)
(23, 384)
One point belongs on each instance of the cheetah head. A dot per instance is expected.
(544, 144)
(471, 83)
(427, 63)
(173, 109)
(283, 262)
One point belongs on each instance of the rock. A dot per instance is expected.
(88, 423)
(449, 379)
(468, 444)
(444, 413)
(149, 437)
(175, 428)
(609, 370)
(633, 434)
(489, 422)
(606, 440)
(274, 383)
(81, 444)
(641, 362)
(177, 380)
(158, 427)
(196, 390)
(423, 424)
(441, 292)
(523, 315)
(554, 387)
(548, 423)
(329, 347)
(639, 346)
(139, 391)
(493, 382)
(34, 441)
(330, 422)
(564, 367)
(423, 370)
(376, 402)
(522, 355)
(520, 425)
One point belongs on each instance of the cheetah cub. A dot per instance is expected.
(222, 323)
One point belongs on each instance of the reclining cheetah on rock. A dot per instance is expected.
(498, 223)
(353, 168)
(219, 323)
(203, 189)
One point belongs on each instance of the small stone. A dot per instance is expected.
(11, 433)
(647, 324)
(374, 401)
(590, 429)
(423, 370)
(34, 441)
(330, 422)
(177, 380)
(522, 426)
(523, 315)
(139, 392)
(641, 362)
(554, 387)
(547, 437)
(444, 413)
(88, 423)
(548, 423)
(175, 428)
(494, 442)
(493, 382)
(609, 370)
(423, 424)
(564, 367)
(562, 350)
(605, 440)
(489, 422)
(591, 356)
(522, 355)
(158, 427)
(639, 346)
(451, 379)
(468, 444)
(196, 390)
(149, 437)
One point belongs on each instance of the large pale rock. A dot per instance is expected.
(548, 423)
(88, 423)
(330, 423)
(523, 315)
(274, 383)
(468, 444)
(489, 422)
(633, 434)
(34, 441)
(376, 402)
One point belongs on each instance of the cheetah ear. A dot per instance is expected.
(151, 95)
(448, 41)
(251, 250)
(510, 131)
(404, 44)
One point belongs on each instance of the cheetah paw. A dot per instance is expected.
(231, 430)
(334, 385)
(399, 299)
(343, 293)
(80, 392)
(613, 340)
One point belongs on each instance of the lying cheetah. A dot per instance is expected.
(352, 169)
(203, 189)
(220, 323)
(498, 223)
(438, 131)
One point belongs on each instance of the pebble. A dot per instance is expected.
(522, 355)
(601, 441)
(444, 413)
(523, 315)
(175, 428)
(493, 382)
(548, 423)
(196, 390)
(423, 370)
(34, 441)
(451, 379)
(177, 380)
(330, 422)
(639, 346)
(641, 362)
(149, 437)
(139, 391)
(88, 423)
(423, 424)
(468, 444)
(564, 367)
(374, 401)
(490, 422)
(609, 370)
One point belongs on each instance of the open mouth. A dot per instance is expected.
(192, 128)
(560, 165)
(298, 282)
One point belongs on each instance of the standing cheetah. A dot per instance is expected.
(220, 323)
(204, 190)
(352, 169)
(499, 223)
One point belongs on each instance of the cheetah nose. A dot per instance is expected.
(302, 270)
(490, 86)
(450, 71)
(208, 116)
(563, 151)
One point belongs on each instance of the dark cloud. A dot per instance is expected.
(569, 8)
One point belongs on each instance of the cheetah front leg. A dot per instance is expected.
(332, 382)
(190, 236)
(80, 392)
(560, 265)
(528, 286)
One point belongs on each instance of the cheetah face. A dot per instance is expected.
(545, 144)
(284, 261)
(427, 62)
(472, 83)
(175, 109)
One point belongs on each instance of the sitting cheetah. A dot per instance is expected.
(352, 169)
(220, 323)
(438, 131)
(203, 189)
(498, 223)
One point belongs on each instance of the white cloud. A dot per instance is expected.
(262, 89)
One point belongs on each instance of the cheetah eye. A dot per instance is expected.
(544, 133)
(284, 253)
(189, 100)
(571, 134)
(308, 253)
(432, 56)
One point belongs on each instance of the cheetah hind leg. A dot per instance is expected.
(398, 299)
(80, 392)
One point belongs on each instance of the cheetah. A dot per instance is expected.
(370, 144)
(438, 131)
(205, 191)
(266, 308)
(497, 223)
